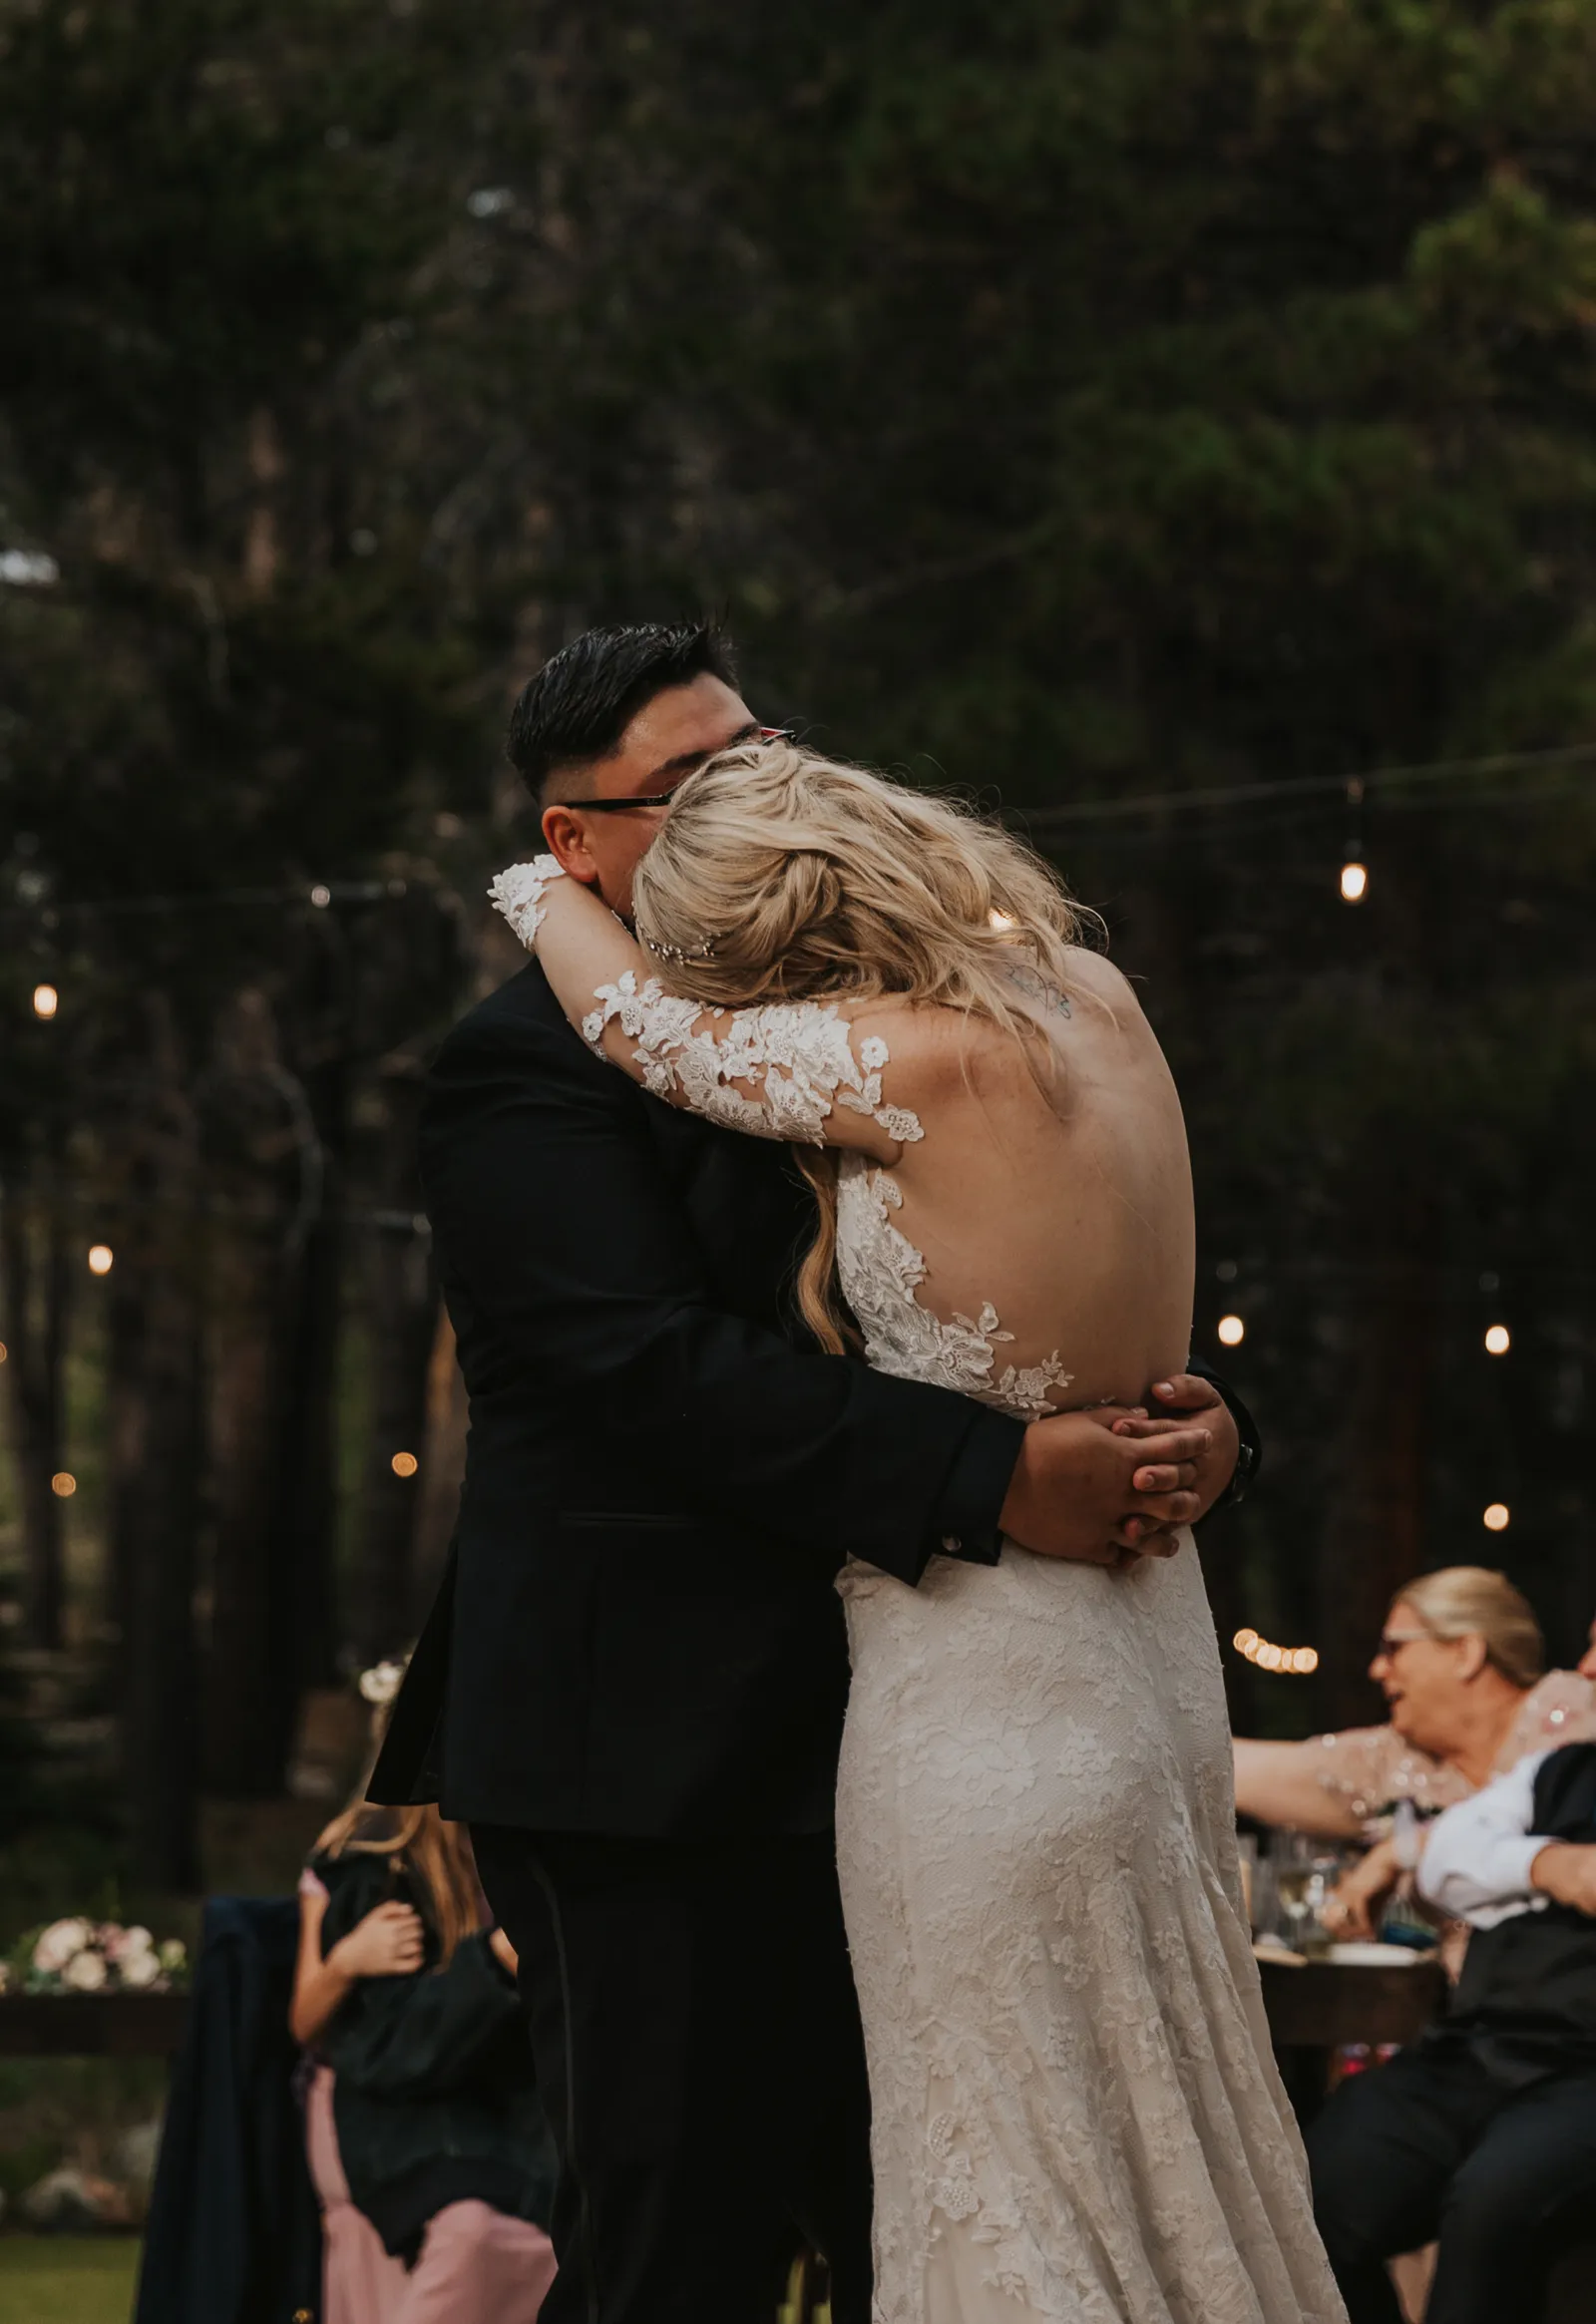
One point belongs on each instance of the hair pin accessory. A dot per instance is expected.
(681, 952)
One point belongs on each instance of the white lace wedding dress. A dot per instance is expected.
(1077, 2114)
(1075, 2109)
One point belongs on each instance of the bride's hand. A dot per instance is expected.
(1185, 1397)
(1073, 1488)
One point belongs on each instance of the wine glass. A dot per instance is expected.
(1304, 1873)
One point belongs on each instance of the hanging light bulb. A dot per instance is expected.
(1496, 1517)
(1353, 869)
(101, 1259)
(1232, 1331)
(46, 1001)
(1498, 1339)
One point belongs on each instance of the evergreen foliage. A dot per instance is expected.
(1065, 401)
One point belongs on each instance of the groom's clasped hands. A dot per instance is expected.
(1114, 1484)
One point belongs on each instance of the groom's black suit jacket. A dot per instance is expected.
(638, 1632)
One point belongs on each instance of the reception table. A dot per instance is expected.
(1313, 2012)
(92, 2025)
(1315, 2009)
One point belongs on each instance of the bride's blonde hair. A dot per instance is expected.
(781, 875)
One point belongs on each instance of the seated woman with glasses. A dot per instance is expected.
(1461, 1662)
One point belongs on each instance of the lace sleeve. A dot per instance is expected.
(778, 1071)
(772, 1073)
(519, 891)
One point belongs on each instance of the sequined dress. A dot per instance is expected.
(1076, 2115)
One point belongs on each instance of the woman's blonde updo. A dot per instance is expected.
(781, 875)
(1473, 1602)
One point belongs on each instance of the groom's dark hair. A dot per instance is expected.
(580, 704)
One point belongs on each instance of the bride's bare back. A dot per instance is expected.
(1066, 1207)
(1018, 1227)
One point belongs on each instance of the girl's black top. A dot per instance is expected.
(434, 2098)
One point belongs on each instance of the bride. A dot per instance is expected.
(1076, 2115)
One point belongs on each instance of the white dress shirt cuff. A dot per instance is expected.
(1478, 1855)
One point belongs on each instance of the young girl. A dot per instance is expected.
(426, 2140)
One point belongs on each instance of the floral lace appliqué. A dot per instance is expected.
(796, 1053)
(881, 1274)
(519, 891)
(799, 1057)
(953, 2189)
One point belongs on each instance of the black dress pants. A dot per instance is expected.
(701, 2061)
(1433, 2148)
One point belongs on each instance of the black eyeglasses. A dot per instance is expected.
(664, 798)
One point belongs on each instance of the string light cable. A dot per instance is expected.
(320, 896)
(1397, 788)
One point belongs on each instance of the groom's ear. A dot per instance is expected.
(567, 840)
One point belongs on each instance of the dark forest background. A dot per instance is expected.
(1151, 418)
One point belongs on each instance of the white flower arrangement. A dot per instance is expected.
(85, 1972)
(60, 1943)
(83, 1956)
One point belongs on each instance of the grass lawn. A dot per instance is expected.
(67, 2279)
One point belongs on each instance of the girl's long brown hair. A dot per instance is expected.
(436, 1854)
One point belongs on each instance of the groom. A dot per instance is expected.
(633, 1684)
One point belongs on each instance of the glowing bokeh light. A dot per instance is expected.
(1298, 1661)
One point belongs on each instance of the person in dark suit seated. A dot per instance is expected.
(1483, 2135)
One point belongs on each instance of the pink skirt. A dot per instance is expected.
(476, 2265)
